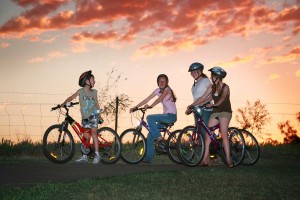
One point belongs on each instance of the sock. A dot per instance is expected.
(97, 153)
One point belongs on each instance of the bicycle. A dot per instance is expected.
(252, 149)
(59, 146)
(191, 144)
(134, 142)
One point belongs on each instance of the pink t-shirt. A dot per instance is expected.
(169, 105)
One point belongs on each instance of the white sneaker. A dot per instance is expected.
(96, 159)
(82, 159)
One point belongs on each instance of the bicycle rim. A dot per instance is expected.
(58, 146)
(133, 146)
(190, 148)
(237, 145)
(172, 147)
(109, 145)
(252, 150)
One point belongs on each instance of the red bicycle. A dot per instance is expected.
(59, 146)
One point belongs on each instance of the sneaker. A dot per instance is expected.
(96, 159)
(82, 159)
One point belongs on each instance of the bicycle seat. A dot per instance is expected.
(168, 124)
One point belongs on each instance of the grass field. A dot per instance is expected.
(275, 176)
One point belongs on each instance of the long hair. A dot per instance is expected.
(167, 85)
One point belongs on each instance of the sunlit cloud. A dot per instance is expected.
(298, 73)
(236, 61)
(50, 56)
(274, 76)
(166, 47)
(79, 48)
(217, 19)
(288, 57)
(4, 45)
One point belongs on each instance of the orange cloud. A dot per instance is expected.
(298, 73)
(50, 56)
(95, 37)
(162, 20)
(235, 61)
(167, 46)
(4, 45)
(288, 57)
(274, 76)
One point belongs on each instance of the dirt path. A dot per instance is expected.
(28, 174)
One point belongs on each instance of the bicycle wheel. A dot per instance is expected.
(58, 145)
(109, 145)
(133, 146)
(237, 145)
(172, 146)
(190, 146)
(252, 150)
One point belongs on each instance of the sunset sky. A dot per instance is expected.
(46, 44)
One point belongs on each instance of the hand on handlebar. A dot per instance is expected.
(133, 109)
(189, 109)
(147, 107)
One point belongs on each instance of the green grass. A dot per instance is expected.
(275, 176)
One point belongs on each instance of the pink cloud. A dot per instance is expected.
(173, 22)
(4, 45)
(288, 57)
(48, 57)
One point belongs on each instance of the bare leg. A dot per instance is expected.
(95, 139)
(211, 122)
(224, 122)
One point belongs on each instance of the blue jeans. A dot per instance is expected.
(154, 122)
(205, 116)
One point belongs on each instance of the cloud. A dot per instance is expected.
(165, 22)
(50, 56)
(79, 48)
(4, 45)
(298, 73)
(288, 57)
(166, 47)
(236, 61)
(274, 76)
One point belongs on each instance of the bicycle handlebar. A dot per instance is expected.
(203, 106)
(141, 109)
(69, 104)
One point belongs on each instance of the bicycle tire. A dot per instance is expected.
(252, 149)
(58, 145)
(172, 146)
(133, 146)
(190, 150)
(237, 145)
(109, 145)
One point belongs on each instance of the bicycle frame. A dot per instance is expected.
(80, 131)
(210, 130)
(143, 123)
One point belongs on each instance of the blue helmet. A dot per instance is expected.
(218, 71)
(196, 66)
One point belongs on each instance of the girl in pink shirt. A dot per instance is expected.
(167, 97)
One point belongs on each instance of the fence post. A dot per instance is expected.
(117, 111)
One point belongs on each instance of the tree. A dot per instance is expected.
(290, 133)
(253, 117)
(107, 95)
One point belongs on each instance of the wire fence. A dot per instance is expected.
(23, 120)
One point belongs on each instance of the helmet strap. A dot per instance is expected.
(89, 84)
(196, 79)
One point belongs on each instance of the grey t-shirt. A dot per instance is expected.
(87, 102)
